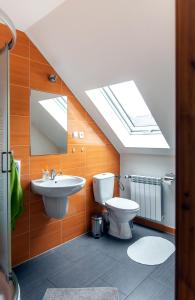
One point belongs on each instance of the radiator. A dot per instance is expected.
(146, 191)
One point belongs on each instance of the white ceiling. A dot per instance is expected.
(25, 13)
(93, 43)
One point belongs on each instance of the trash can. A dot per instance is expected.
(97, 226)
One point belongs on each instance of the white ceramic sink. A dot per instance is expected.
(55, 192)
(61, 186)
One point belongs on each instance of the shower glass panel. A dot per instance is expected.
(5, 230)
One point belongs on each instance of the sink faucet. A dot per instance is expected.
(53, 174)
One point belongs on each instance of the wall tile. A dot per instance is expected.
(22, 153)
(25, 182)
(45, 238)
(75, 158)
(38, 217)
(94, 136)
(91, 205)
(36, 55)
(75, 110)
(39, 78)
(22, 223)
(76, 125)
(112, 156)
(38, 163)
(75, 172)
(19, 100)
(66, 91)
(19, 70)
(22, 38)
(19, 131)
(77, 203)
(35, 232)
(73, 226)
(96, 157)
(20, 248)
(22, 47)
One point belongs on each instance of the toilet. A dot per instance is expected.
(120, 210)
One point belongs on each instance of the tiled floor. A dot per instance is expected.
(87, 262)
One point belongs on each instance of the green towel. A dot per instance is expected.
(16, 194)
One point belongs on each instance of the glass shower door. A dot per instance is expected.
(5, 217)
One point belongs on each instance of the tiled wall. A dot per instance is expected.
(35, 232)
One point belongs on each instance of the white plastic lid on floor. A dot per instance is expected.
(151, 250)
(123, 203)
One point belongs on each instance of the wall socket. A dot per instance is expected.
(78, 135)
(81, 134)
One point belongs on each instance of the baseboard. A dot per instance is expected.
(154, 225)
(47, 251)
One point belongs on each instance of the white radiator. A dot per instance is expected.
(146, 191)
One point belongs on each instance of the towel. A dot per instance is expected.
(16, 194)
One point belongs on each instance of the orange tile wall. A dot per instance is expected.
(35, 232)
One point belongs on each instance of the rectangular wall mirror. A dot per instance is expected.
(48, 123)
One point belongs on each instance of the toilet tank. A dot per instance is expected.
(103, 187)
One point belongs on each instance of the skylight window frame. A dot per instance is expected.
(118, 122)
(119, 110)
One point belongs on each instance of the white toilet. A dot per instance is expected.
(120, 210)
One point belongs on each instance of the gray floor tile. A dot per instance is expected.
(101, 283)
(36, 290)
(85, 270)
(127, 277)
(76, 252)
(27, 273)
(39, 268)
(147, 290)
(82, 240)
(86, 261)
(117, 248)
(141, 231)
(113, 246)
(166, 294)
(165, 273)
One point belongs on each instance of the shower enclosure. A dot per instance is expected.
(9, 288)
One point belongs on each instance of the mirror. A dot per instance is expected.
(48, 123)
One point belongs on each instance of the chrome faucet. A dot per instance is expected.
(53, 174)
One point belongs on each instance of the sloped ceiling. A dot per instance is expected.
(24, 13)
(93, 43)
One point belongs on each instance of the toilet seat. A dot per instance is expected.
(122, 204)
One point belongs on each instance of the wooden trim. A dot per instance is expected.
(185, 150)
(154, 225)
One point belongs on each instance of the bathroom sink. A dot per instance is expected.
(61, 186)
(55, 193)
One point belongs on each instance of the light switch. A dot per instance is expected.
(75, 134)
(81, 134)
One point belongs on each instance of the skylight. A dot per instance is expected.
(126, 112)
(57, 108)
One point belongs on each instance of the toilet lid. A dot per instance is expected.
(122, 203)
